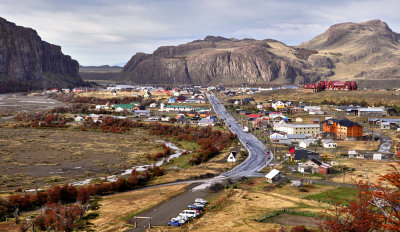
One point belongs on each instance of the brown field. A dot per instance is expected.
(374, 168)
(250, 202)
(33, 158)
(370, 96)
(214, 166)
(116, 209)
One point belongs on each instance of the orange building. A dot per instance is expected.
(342, 129)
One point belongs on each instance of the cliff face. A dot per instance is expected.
(218, 60)
(27, 61)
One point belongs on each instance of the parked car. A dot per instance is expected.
(174, 223)
(190, 213)
(196, 207)
(201, 201)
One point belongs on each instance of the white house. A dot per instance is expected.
(79, 119)
(298, 119)
(102, 107)
(206, 122)
(231, 157)
(169, 108)
(312, 108)
(327, 143)
(310, 129)
(377, 156)
(278, 104)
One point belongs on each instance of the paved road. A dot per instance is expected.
(162, 213)
(257, 159)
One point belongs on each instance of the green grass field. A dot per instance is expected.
(339, 194)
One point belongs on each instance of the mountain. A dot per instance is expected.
(218, 60)
(28, 62)
(368, 50)
(347, 51)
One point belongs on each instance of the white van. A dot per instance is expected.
(189, 213)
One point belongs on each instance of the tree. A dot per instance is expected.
(376, 208)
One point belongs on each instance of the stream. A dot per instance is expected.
(177, 152)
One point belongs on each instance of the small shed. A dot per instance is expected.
(273, 176)
(352, 153)
(377, 156)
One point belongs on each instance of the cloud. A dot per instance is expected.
(97, 32)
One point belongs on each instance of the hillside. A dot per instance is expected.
(368, 50)
(28, 62)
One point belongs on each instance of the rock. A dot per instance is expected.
(26, 60)
(320, 61)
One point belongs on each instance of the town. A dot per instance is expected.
(311, 148)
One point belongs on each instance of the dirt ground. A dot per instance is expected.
(17, 103)
(374, 169)
(116, 209)
(35, 158)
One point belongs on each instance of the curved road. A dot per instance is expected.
(257, 158)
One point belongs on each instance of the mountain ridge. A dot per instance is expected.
(345, 51)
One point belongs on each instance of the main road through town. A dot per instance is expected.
(255, 161)
(257, 158)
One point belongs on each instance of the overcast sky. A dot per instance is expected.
(97, 32)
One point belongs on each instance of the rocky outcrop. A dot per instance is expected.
(27, 60)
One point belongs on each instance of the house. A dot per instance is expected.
(385, 125)
(142, 113)
(169, 108)
(303, 154)
(306, 142)
(315, 121)
(79, 119)
(273, 176)
(312, 108)
(180, 99)
(311, 129)
(253, 116)
(328, 143)
(165, 118)
(299, 119)
(232, 157)
(278, 105)
(260, 105)
(372, 112)
(315, 166)
(102, 107)
(295, 110)
(342, 129)
(352, 153)
(206, 122)
(171, 100)
(280, 138)
(377, 156)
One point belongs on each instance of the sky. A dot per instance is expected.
(100, 32)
